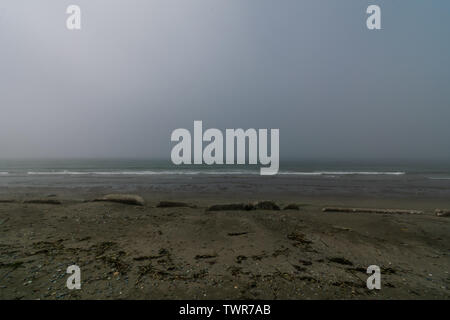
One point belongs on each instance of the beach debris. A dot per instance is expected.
(240, 258)
(260, 205)
(371, 210)
(7, 200)
(388, 270)
(292, 206)
(235, 271)
(152, 272)
(340, 260)
(231, 206)
(14, 265)
(205, 256)
(442, 212)
(259, 257)
(233, 234)
(123, 198)
(342, 228)
(281, 252)
(348, 284)
(48, 248)
(266, 205)
(299, 238)
(161, 254)
(305, 262)
(101, 248)
(309, 279)
(174, 204)
(357, 269)
(43, 201)
(299, 268)
(115, 262)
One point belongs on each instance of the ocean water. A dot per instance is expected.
(143, 167)
(84, 177)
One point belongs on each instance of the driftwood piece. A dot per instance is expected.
(231, 207)
(266, 205)
(174, 204)
(442, 212)
(7, 200)
(261, 205)
(43, 201)
(371, 210)
(123, 198)
(292, 206)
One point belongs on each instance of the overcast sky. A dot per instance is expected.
(137, 70)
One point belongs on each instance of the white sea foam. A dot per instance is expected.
(63, 172)
(340, 173)
(4, 173)
(144, 172)
(211, 172)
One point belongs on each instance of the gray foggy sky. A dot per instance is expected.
(140, 69)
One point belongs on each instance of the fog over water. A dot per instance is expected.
(137, 70)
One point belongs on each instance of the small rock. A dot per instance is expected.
(442, 212)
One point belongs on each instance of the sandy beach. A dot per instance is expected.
(145, 252)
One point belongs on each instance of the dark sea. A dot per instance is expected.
(295, 178)
(130, 167)
(20, 167)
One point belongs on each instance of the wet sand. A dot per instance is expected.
(145, 252)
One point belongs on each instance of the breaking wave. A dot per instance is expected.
(341, 173)
(212, 172)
